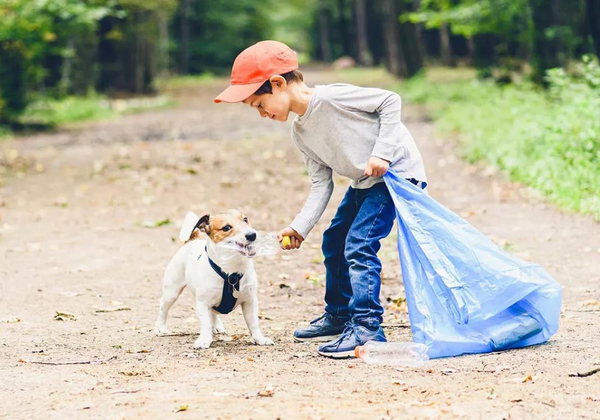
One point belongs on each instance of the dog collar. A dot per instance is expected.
(231, 287)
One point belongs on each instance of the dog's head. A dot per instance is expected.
(231, 227)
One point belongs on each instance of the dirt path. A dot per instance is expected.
(72, 239)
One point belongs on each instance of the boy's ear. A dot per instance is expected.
(278, 82)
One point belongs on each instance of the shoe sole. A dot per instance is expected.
(321, 339)
(338, 355)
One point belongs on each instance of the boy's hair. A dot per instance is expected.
(290, 77)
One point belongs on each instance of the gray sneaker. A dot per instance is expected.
(321, 330)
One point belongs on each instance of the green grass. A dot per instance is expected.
(549, 140)
(179, 82)
(68, 110)
(361, 76)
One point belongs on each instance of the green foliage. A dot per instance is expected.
(221, 29)
(179, 82)
(471, 17)
(549, 140)
(67, 110)
(30, 32)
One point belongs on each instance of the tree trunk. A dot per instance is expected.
(163, 44)
(471, 50)
(546, 50)
(185, 36)
(344, 29)
(324, 42)
(364, 55)
(395, 60)
(593, 15)
(64, 86)
(445, 46)
(409, 39)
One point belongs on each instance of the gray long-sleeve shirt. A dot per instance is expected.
(343, 126)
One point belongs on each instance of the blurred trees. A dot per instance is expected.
(60, 47)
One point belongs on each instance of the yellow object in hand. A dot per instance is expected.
(286, 241)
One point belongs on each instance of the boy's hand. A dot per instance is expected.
(376, 167)
(295, 238)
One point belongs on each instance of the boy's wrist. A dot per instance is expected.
(301, 226)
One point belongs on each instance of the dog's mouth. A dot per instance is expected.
(246, 249)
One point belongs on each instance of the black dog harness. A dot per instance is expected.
(231, 283)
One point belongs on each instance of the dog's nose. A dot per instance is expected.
(251, 236)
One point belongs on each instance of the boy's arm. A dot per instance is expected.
(392, 133)
(318, 198)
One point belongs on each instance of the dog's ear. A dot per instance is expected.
(204, 224)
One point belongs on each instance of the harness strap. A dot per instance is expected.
(231, 282)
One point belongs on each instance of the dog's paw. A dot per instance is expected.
(219, 330)
(161, 330)
(264, 341)
(202, 343)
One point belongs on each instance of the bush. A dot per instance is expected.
(548, 140)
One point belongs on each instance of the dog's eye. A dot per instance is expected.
(226, 228)
(245, 219)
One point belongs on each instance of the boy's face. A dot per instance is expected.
(275, 106)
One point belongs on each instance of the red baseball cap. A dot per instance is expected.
(254, 66)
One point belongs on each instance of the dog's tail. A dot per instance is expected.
(188, 228)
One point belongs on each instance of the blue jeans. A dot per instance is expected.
(350, 246)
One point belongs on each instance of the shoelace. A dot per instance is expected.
(314, 321)
(349, 330)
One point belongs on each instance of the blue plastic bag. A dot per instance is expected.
(464, 294)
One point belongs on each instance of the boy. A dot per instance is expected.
(356, 132)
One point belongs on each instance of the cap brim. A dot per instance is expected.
(237, 93)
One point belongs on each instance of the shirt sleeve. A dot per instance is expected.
(318, 198)
(392, 132)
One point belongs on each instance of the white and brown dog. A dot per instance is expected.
(218, 272)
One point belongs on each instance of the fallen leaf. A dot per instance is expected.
(590, 302)
(134, 373)
(182, 408)
(250, 359)
(267, 391)
(158, 223)
(527, 379)
(265, 317)
(399, 383)
(10, 320)
(121, 308)
(64, 316)
(61, 202)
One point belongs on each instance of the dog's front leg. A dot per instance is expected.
(250, 310)
(206, 328)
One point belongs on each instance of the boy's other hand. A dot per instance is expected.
(295, 238)
(376, 167)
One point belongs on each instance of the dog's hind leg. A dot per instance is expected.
(250, 310)
(218, 327)
(173, 285)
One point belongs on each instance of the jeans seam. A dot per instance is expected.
(368, 262)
